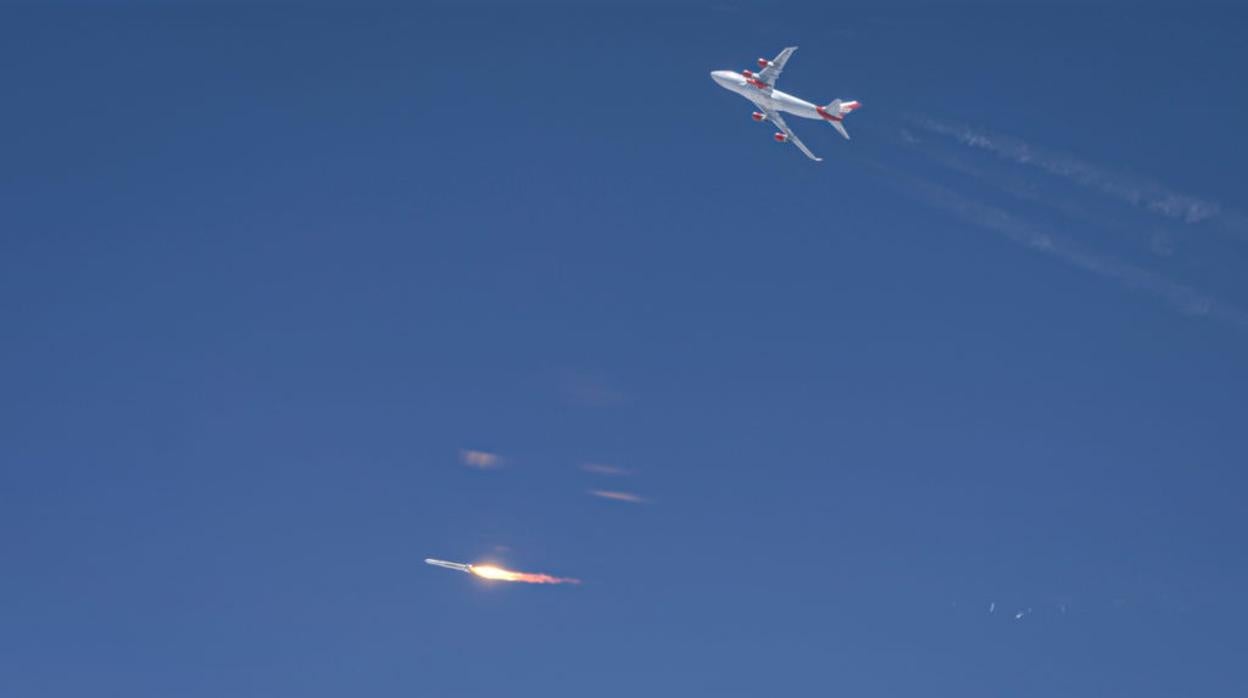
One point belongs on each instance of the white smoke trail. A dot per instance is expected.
(1131, 189)
(619, 496)
(1183, 298)
(1157, 237)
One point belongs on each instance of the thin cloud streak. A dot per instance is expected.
(1183, 298)
(1131, 189)
(481, 460)
(588, 389)
(1157, 239)
(628, 497)
(604, 469)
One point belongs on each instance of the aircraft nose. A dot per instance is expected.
(720, 76)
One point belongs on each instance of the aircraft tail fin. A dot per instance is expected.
(835, 111)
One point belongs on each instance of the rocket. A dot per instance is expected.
(501, 575)
(449, 565)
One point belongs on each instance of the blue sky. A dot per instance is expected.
(268, 271)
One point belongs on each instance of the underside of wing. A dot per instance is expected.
(774, 117)
(775, 66)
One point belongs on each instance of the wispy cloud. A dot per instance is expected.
(1020, 185)
(589, 389)
(604, 469)
(619, 496)
(481, 460)
(1134, 190)
(1041, 239)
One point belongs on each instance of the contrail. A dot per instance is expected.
(619, 496)
(1019, 186)
(1184, 298)
(604, 469)
(1133, 190)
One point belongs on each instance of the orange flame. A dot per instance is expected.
(500, 574)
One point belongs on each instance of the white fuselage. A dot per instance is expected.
(768, 98)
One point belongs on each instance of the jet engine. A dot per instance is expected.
(764, 63)
(747, 74)
(780, 137)
(758, 116)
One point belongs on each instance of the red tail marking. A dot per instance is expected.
(828, 115)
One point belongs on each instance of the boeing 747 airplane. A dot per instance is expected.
(760, 88)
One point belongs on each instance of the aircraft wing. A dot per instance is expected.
(773, 70)
(774, 117)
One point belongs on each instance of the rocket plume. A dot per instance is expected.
(500, 574)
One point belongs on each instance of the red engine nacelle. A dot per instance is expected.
(747, 74)
(780, 137)
(758, 116)
(764, 63)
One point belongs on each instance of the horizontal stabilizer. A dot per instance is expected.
(834, 113)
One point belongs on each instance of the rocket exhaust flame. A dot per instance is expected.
(499, 574)
(491, 572)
